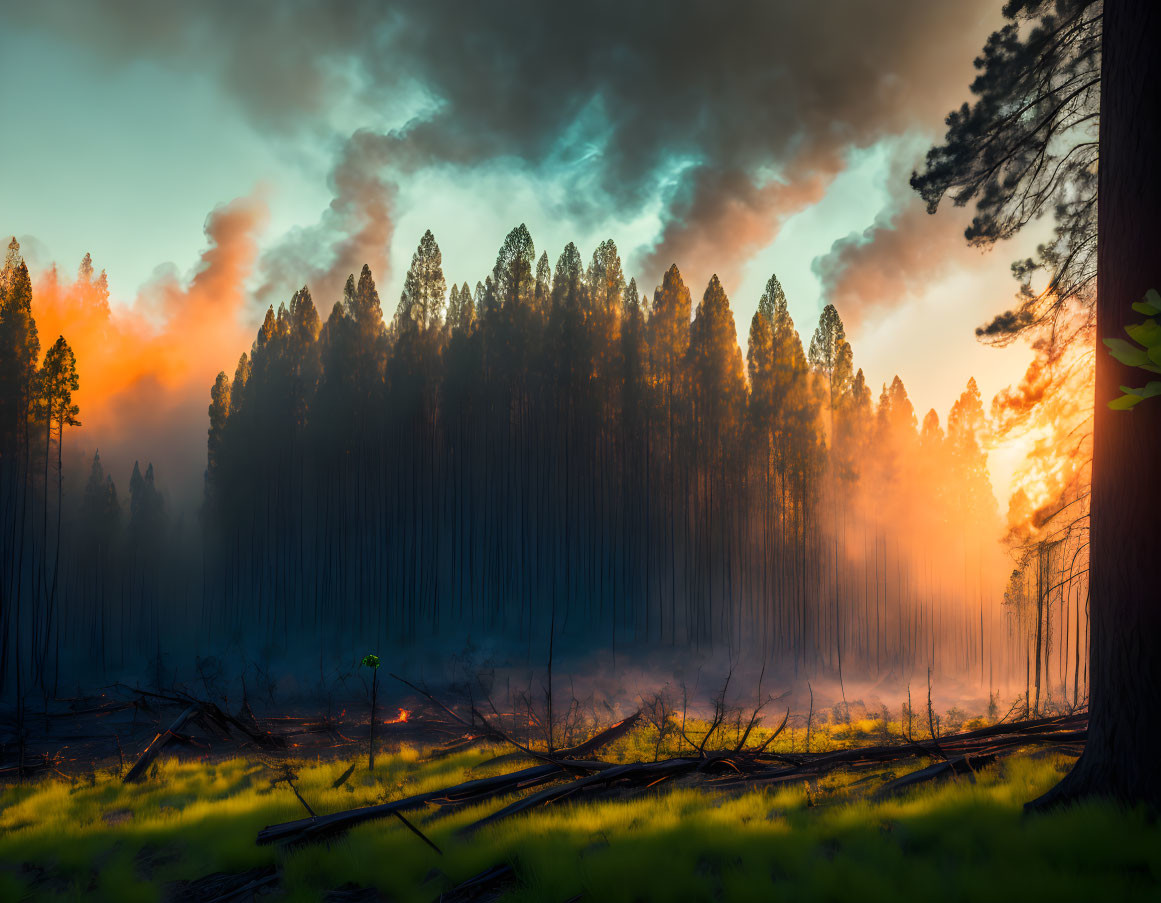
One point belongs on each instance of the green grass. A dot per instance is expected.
(960, 840)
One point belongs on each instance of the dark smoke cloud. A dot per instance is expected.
(355, 229)
(903, 252)
(754, 104)
(280, 61)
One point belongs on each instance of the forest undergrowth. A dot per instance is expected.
(834, 837)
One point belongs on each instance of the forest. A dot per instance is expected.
(552, 455)
(335, 569)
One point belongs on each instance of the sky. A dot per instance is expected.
(738, 138)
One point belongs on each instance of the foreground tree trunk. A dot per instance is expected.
(1120, 758)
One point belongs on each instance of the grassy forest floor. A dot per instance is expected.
(832, 838)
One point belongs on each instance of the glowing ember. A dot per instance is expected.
(403, 715)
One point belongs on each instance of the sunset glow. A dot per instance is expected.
(651, 414)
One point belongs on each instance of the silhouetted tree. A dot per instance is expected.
(1029, 145)
(424, 287)
(1026, 147)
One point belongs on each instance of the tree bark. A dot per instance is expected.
(1119, 760)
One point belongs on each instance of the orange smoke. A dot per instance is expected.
(1049, 415)
(146, 367)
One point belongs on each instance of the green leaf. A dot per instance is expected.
(1147, 333)
(1153, 297)
(1155, 354)
(1134, 396)
(1125, 402)
(1143, 307)
(370, 661)
(1126, 353)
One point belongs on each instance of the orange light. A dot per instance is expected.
(403, 715)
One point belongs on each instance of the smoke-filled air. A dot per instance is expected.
(414, 416)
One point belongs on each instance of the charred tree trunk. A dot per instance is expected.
(1119, 759)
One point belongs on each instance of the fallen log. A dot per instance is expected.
(30, 768)
(748, 768)
(1003, 736)
(633, 772)
(213, 718)
(158, 743)
(601, 740)
(958, 752)
(219, 724)
(936, 771)
(310, 829)
(485, 885)
(106, 708)
(455, 746)
(222, 886)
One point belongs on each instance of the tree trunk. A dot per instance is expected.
(374, 701)
(1119, 760)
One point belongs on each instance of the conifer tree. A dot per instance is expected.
(1025, 147)
(542, 293)
(830, 354)
(669, 335)
(513, 276)
(760, 369)
(467, 309)
(606, 279)
(966, 434)
(718, 386)
(567, 321)
(19, 350)
(424, 287)
(100, 527)
(452, 317)
(219, 412)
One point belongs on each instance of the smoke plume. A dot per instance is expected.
(728, 117)
(146, 366)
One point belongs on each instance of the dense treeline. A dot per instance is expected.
(550, 455)
(80, 574)
(555, 452)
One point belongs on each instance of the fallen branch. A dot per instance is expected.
(489, 729)
(599, 741)
(290, 777)
(158, 743)
(960, 753)
(455, 746)
(213, 718)
(414, 830)
(309, 829)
